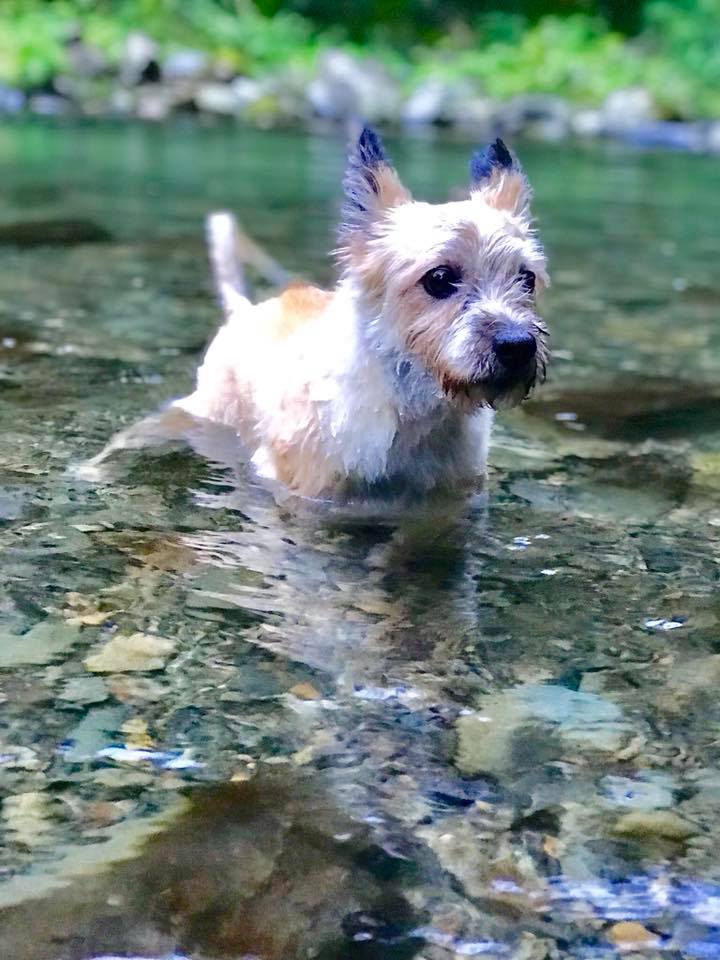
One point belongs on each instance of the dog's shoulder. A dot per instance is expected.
(298, 304)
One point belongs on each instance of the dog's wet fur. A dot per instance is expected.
(393, 376)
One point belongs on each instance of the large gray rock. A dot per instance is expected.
(712, 136)
(346, 86)
(49, 104)
(443, 101)
(84, 60)
(153, 102)
(627, 108)
(217, 98)
(185, 65)
(11, 100)
(431, 102)
(587, 123)
(541, 115)
(139, 61)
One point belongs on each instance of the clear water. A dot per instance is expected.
(493, 732)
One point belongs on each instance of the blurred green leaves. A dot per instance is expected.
(505, 48)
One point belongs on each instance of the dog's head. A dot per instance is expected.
(451, 284)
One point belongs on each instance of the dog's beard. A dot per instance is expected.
(490, 385)
(470, 374)
(494, 392)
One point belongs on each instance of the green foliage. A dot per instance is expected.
(576, 57)
(505, 47)
(33, 33)
(684, 36)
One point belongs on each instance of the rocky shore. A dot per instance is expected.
(149, 85)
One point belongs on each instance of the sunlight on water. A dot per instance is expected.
(238, 729)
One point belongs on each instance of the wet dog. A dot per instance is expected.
(390, 380)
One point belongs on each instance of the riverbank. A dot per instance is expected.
(549, 79)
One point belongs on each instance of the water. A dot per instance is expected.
(490, 732)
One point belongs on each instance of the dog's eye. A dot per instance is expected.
(527, 279)
(441, 282)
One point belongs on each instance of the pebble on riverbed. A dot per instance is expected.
(631, 935)
(127, 654)
(655, 825)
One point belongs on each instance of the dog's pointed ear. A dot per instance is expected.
(498, 179)
(371, 185)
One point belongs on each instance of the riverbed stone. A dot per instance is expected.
(631, 935)
(491, 738)
(43, 643)
(57, 232)
(127, 654)
(648, 790)
(655, 825)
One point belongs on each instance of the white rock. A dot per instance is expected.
(346, 86)
(218, 98)
(586, 123)
(126, 654)
(428, 103)
(625, 108)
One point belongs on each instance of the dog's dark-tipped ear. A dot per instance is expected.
(371, 184)
(497, 177)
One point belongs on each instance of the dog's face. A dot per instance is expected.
(453, 283)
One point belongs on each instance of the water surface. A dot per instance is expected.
(236, 730)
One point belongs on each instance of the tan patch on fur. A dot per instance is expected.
(390, 192)
(506, 190)
(299, 304)
(299, 459)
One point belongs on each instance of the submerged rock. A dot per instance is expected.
(126, 654)
(655, 825)
(36, 233)
(514, 726)
(649, 790)
(43, 643)
(631, 935)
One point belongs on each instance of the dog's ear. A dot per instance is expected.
(498, 179)
(371, 185)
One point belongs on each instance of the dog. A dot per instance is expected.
(389, 381)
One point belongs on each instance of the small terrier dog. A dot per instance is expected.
(388, 382)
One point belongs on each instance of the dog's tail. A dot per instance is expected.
(223, 242)
(230, 248)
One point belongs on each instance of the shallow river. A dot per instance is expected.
(233, 730)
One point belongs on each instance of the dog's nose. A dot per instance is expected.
(514, 347)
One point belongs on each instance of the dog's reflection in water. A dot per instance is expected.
(354, 590)
(267, 869)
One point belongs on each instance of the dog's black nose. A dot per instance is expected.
(514, 347)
